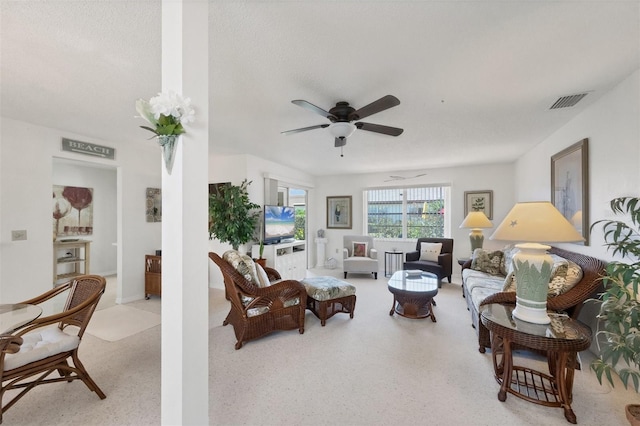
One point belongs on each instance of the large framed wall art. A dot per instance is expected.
(339, 212)
(570, 185)
(72, 211)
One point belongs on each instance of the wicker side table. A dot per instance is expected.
(561, 341)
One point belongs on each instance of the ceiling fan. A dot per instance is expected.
(342, 117)
(404, 177)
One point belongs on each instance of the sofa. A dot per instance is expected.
(441, 262)
(487, 278)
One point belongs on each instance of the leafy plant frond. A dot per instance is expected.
(618, 333)
(232, 215)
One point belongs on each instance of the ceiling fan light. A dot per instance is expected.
(342, 129)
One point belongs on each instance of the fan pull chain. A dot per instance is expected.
(341, 153)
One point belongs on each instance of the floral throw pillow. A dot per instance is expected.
(506, 265)
(359, 249)
(487, 261)
(243, 264)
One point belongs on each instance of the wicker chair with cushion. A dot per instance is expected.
(260, 303)
(49, 343)
(433, 255)
(359, 256)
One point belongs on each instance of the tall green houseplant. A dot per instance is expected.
(232, 216)
(619, 328)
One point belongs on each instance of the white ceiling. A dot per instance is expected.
(475, 78)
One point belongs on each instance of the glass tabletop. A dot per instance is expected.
(561, 326)
(13, 316)
(417, 281)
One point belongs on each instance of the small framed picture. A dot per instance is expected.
(154, 205)
(479, 201)
(339, 212)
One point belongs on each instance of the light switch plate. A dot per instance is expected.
(19, 235)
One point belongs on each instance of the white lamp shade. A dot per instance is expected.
(476, 220)
(342, 129)
(538, 222)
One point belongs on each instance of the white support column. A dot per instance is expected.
(185, 307)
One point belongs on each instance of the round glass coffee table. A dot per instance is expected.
(14, 316)
(413, 293)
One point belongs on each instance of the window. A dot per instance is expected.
(407, 212)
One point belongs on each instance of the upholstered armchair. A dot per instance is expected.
(359, 256)
(260, 303)
(435, 256)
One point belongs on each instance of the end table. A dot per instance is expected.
(561, 341)
(393, 259)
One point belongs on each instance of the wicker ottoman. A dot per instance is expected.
(327, 296)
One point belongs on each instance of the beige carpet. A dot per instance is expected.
(121, 321)
(371, 370)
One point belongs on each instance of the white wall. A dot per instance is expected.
(612, 125)
(235, 169)
(25, 189)
(495, 177)
(103, 181)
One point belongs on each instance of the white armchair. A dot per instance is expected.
(359, 256)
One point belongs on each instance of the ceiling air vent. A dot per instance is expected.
(567, 101)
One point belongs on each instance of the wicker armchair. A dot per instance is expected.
(45, 345)
(268, 309)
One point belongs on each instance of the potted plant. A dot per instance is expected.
(261, 260)
(619, 315)
(232, 216)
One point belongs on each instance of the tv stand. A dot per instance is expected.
(289, 259)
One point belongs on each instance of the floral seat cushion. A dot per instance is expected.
(252, 272)
(327, 288)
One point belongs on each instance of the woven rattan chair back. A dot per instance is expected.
(84, 293)
(275, 314)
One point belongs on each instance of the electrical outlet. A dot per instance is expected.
(19, 235)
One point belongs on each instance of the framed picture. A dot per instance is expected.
(479, 201)
(72, 211)
(339, 212)
(570, 185)
(154, 205)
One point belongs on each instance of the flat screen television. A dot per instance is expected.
(279, 224)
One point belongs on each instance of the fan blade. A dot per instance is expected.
(316, 109)
(374, 107)
(378, 128)
(340, 142)
(304, 129)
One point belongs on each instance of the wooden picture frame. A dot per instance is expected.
(570, 185)
(339, 212)
(475, 201)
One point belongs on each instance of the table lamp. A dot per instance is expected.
(534, 223)
(476, 221)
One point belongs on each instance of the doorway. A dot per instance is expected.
(101, 182)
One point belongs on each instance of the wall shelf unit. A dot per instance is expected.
(71, 258)
(289, 259)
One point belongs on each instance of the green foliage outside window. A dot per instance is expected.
(301, 219)
(424, 219)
